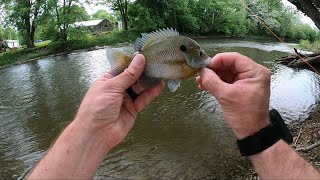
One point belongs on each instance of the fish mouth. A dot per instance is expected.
(202, 64)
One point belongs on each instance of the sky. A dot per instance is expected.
(91, 9)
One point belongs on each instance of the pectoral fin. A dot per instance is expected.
(173, 84)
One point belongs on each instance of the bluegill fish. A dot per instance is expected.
(169, 56)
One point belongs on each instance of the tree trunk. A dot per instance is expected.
(29, 35)
(123, 7)
(310, 8)
(312, 11)
(125, 23)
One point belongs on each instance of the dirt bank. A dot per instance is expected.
(307, 138)
(306, 134)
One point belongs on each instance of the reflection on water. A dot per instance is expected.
(180, 135)
(295, 93)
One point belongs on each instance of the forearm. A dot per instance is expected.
(280, 161)
(77, 153)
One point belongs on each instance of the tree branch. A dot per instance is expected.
(307, 148)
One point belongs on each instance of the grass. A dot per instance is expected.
(314, 47)
(42, 44)
(85, 41)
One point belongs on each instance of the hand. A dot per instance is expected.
(107, 108)
(242, 87)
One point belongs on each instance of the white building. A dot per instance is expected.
(120, 26)
(13, 43)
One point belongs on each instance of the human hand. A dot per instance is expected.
(242, 87)
(108, 109)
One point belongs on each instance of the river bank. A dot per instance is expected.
(86, 43)
(93, 42)
(47, 55)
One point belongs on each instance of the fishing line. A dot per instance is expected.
(274, 34)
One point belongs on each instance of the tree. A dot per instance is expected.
(8, 33)
(26, 15)
(65, 13)
(310, 7)
(141, 18)
(102, 14)
(122, 7)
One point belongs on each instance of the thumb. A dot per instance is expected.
(212, 82)
(131, 74)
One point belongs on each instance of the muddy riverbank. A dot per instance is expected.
(306, 136)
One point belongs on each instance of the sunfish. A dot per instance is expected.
(169, 57)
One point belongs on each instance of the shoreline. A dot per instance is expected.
(64, 53)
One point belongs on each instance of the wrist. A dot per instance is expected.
(246, 130)
(91, 133)
(266, 137)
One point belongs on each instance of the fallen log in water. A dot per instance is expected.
(299, 60)
(311, 60)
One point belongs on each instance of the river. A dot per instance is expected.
(181, 135)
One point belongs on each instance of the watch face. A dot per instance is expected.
(276, 118)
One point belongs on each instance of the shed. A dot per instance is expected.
(13, 43)
(96, 25)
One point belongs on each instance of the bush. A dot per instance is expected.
(314, 47)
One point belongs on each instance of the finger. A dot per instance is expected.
(132, 73)
(198, 80)
(211, 82)
(138, 88)
(147, 96)
(236, 62)
(106, 75)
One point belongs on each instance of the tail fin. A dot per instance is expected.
(119, 61)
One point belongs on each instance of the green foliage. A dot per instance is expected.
(225, 17)
(121, 6)
(102, 14)
(103, 39)
(314, 47)
(26, 16)
(42, 44)
(54, 20)
(87, 41)
(141, 18)
(8, 33)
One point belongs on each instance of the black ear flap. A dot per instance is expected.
(183, 48)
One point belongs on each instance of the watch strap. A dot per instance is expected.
(276, 118)
(266, 137)
(260, 141)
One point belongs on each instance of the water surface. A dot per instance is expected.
(181, 135)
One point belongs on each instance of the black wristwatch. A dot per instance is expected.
(266, 137)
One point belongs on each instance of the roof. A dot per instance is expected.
(88, 23)
(9, 41)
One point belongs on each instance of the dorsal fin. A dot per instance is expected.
(146, 38)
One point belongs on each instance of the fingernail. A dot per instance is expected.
(137, 61)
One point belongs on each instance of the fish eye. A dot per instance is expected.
(201, 53)
(183, 48)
